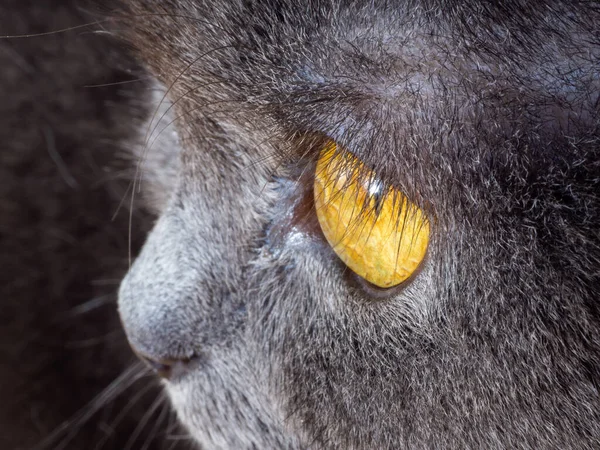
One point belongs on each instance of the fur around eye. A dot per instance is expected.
(375, 230)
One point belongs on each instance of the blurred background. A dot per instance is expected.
(70, 95)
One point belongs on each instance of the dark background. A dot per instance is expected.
(68, 99)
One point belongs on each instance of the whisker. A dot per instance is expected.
(86, 307)
(122, 202)
(164, 413)
(48, 33)
(110, 18)
(150, 133)
(116, 83)
(71, 426)
(143, 422)
(61, 166)
(123, 413)
(91, 342)
(147, 136)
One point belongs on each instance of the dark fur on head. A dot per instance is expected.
(487, 115)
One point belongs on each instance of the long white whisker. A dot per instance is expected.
(109, 393)
(143, 422)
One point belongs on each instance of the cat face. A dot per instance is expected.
(485, 117)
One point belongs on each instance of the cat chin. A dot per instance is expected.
(221, 407)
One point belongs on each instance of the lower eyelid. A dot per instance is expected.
(298, 214)
(378, 293)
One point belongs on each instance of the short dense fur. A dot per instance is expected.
(485, 115)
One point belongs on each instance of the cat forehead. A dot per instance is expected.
(369, 57)
(371, 33)
(402, 79)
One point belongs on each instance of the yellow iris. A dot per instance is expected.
(376, 232)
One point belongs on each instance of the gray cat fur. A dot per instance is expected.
(486, 115)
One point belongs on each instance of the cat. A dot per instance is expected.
(484, 115)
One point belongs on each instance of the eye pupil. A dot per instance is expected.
(376, 231)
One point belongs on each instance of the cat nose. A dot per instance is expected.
(167, 368)
(171, 302)
(163, 307)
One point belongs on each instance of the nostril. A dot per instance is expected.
(161, 368)
(167, 368)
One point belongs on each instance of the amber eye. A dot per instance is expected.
(375, 231)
